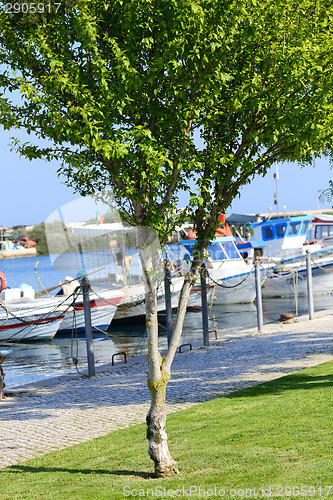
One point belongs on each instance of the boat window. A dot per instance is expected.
(186, 251)
(305, 226)
(217, 252)
(322, 232)
(231, 250)
(267, 233)
(293, 229)
(280, 230)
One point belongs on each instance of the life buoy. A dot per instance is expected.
(3, 281)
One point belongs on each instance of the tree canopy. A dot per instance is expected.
(124, 90)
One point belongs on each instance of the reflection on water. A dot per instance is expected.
(36, 361)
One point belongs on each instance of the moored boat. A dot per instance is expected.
(233, 276)
(19, 324)
(286, 245)
(132, 307)
(103, 305)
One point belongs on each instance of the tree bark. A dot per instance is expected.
(158, 448)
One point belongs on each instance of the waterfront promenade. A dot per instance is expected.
(39, 418)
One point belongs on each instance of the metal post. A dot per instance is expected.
(3, 355)
(2, 384)
(309, 283)
(85, 285)
(258, 295)
(168, 305)
(204, 304)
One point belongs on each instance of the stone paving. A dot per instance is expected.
(40, 418)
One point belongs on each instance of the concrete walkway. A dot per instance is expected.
(39, 418)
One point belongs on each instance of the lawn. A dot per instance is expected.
(271, 440)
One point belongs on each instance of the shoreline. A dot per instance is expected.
(13, 254)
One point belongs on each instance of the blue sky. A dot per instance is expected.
(31, 191)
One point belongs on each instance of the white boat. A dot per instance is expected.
(22, 322)
(133, 304)
(321, 230)
(284, 253)
(103, 305)
(233, 276)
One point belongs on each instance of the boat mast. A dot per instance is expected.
(276, 194)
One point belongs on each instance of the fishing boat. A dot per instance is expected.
(22, 323)
(103, 305)
(321, 230)
(233, 276)
(68, 304)
(286, 245)
(132, 307)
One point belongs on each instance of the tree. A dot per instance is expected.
(123, 90)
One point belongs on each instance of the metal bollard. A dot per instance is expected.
(258, 295)
(309, 284)
(168, 305)
(204, 304)
(85, 285)
(3, 354)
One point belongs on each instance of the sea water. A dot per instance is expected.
(34, 361)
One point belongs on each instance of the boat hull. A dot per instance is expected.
(234, 288)
(133, 305)
(103, 305)
(293, 278)
(231, 291)
(31, 327)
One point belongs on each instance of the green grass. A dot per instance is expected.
(277, 434)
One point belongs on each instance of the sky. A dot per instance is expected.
(31, 191)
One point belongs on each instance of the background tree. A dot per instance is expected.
(161, 96)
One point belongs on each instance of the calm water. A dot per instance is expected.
(35, 361)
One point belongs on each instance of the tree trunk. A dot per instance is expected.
(157, 378)
(156, 434)
(159, 370)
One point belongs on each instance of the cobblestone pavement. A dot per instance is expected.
(35, 420)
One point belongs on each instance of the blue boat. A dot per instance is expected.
(286, 244)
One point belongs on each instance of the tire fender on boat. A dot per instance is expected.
(3, 281)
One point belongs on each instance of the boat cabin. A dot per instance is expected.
(322, 230)
(250, 250)
(283, 237)
(222, 249)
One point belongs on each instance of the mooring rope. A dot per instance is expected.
(320, 267)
